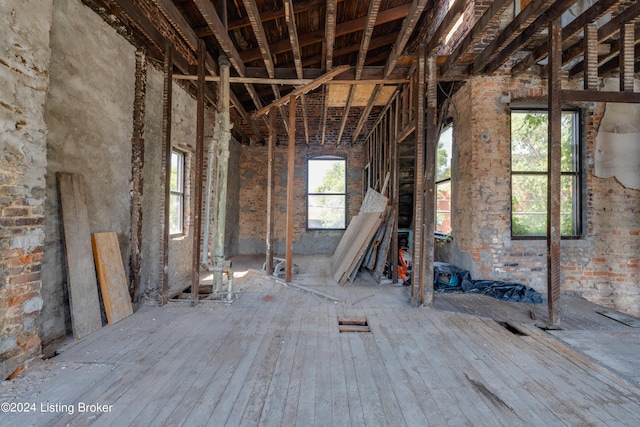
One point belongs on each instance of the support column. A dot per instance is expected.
(430, 181)
(224, 136)
(417, 271)
(163, 285)
(269, 237)
(553, 173)
(290, 188)
(197, 184)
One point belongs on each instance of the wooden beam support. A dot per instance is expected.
(199, 176)
(600, 96)
(395, 186)
(432, 134)
(417, 278)
(554, 11)
(304, 89)
(568, 32)
(269, 238)
(325, 112)
(163, 285)
(627, 57)
(446, 25)
(554, 171)
(297, 58)
(490, 16)
(290, 188)
(345, 114)
(318, 36)
(408, 25)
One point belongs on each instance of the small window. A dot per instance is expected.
(443, 181)
(326, 193)
(529, 165)
(176, 196)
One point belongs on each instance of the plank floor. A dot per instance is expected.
(275, 357)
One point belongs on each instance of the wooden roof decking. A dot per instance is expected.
(470, 38)
(276, 357)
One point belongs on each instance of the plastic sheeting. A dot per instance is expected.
(450, 278)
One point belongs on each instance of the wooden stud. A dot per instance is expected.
(290, 187)
(430, 182)
(269, 237)
(554, 171)
(163, 285)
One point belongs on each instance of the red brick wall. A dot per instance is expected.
(602, 266)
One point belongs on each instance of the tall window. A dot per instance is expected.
(326, 193)
(529, 163)
(176, 197)
(443, 181)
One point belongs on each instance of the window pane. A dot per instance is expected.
(528, 141)
(327, 176)
(443, 208)
(176, 166)
(569, 162)
(529, 205)
(326, 211)
(443, 168)
(568, 211)
(175, 214)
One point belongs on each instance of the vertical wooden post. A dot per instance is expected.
(198, 179)
(395, 188)
(290, 188)
(627, 57)
(553, 170)
(163, 285)
(137, 172)
(417, 276)
(591, 57)
(271, 143)
(430, 182)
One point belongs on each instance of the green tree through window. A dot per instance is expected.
(529, 162)
(326, 193)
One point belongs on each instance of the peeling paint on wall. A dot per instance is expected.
(618, 142)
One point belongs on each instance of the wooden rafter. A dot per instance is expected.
(509, 33)
(342, 29)
(375, 43)
(554, 11)
(372, 15)
(570, 30)
(304, 89)
(489, 17)
(330, 36)
(297, 57)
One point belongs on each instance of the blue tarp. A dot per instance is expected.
(450, 278)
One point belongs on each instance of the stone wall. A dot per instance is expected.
(602, 265)
(24, 80)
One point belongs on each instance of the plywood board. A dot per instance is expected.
(373, 202)
(81, 273)
(113, 282)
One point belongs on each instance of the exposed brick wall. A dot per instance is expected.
(602, 266)
(24, 41)
(253, 204)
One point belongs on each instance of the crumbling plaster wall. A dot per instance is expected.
(253, 203)
(24, 79)
(602, 266)
(89, 113)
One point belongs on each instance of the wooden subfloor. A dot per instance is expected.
(275, 357)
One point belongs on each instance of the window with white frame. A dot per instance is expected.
(529, 166)
(443, 181)
(326, 193)
(176, 193)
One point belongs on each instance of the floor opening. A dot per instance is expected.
(353, 324)
(509, 327)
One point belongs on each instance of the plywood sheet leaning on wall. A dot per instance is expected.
(357, 236)
(113, 282)
(81, 273)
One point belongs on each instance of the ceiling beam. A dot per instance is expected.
(342, 29)
(569, 31)
(446, 25)
(552, 13)
(375, 43)
(509, 33)
(328, 53)
(304, 89)
(290, 19)
(372, 14)
(489, 18)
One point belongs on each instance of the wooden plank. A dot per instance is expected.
(418, 193)
(269, 236)
(354, 328)
(383, 249)
(290, 188)
(630, 321)
(304, 89)
(113, 283)
(408, 25)
(165, 173)
(81, 276)
(373, 202)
